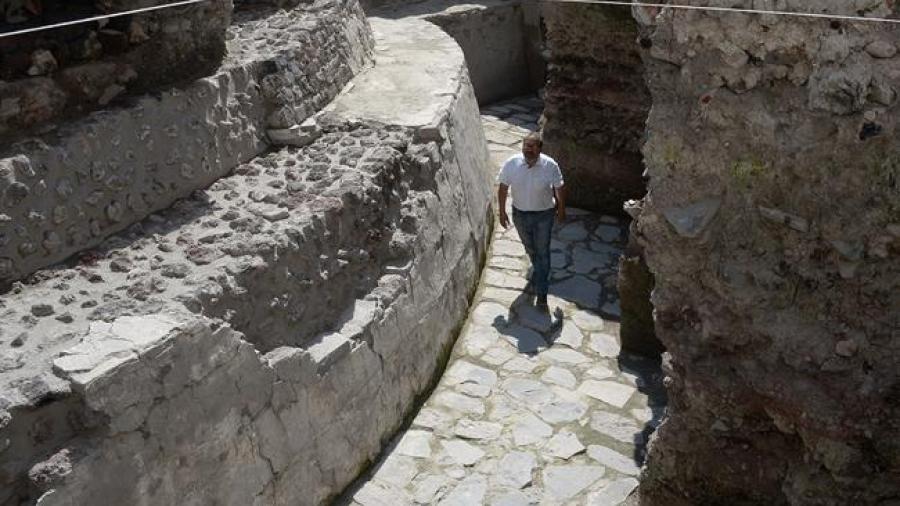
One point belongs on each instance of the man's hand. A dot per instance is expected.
(560, 194)
(560, 215)
(502, 190)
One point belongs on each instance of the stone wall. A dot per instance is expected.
(260, 341)
(493, 38)
(773, 229)
(501, 40)
(596, 103)
(55, 74)
(67, 190)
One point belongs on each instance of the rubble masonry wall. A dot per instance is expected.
(65, 191)
(772, 227)
(596, 103)
(53, 75)
(261, 340)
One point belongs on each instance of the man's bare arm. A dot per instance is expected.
(502, 191)
(560, 203)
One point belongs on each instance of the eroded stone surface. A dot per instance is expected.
(595, 130)
(761, 246)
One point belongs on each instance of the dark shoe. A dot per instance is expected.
(541, 301)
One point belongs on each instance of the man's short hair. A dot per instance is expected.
(534, 136)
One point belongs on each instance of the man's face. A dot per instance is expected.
(531, 149)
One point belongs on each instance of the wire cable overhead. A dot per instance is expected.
(99, 18)
(626, 3)
(623, 3)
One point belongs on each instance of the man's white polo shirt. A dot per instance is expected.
(531, 187)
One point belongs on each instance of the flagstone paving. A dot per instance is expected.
(536, 406)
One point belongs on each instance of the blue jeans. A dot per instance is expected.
(534, 228)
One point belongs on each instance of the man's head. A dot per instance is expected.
(531, 147)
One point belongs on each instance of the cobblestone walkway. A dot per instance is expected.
(534, 407)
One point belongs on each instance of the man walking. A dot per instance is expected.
(537, 196)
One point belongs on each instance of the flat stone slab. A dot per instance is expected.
(471, 429)
(580, 290)
(610, 392)
(570, 336)
(497, 355)
(531, 392)
(599, 371)
(613, 460)
(508, 248)
(502, 279)
(459, 402)
(479, 338)
(109, 345)
(534, 318)
(565, 482)
(613, 493)
(462, 452)
(415, 443)
(520, 364)
(469, 491)
(514, 470)
(397, 470)
(512, 498)
(559, 376)
(466, 372)
(376, 493)
(558, 260)
(604, 345)
(529, 429)
(487, 313)
(608, 233)
(431, 418)
(502, 295)
(572, 232)
(564, 445)
(508, 263)
(587, 320)
(584, 261)
(563, 355)
(525, 340)
(430, 489)
(615, 426)
(561, 410)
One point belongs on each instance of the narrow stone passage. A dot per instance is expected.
(534, 408)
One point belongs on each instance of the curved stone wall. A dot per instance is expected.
(500, 38)
(67, 190)
(261, 340)
(773, 231)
